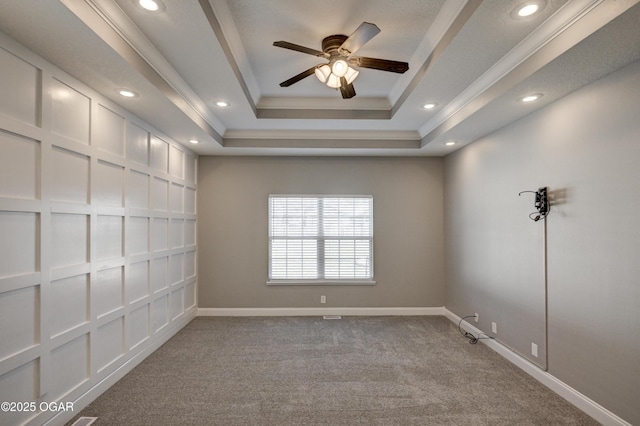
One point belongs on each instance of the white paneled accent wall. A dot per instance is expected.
(97, 238)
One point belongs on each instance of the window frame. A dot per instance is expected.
(320, 238)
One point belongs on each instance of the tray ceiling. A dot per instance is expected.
(472, 58)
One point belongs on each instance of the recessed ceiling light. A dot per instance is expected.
(529, 8)
(450, 143)
(194, 141)
(150, 5)
(531, 98)
(222, 104)
(430, 105)
(127, 93)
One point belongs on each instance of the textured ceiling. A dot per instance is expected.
(470, 57)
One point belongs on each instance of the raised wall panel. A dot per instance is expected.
(177, 303)
(190, 295)
(108, 235)
(189, 265)
(137, 281)
(177, 233)
(191, 169)
(69, 367)
(109, 343)
(108, 185)
(159, 234)
(19, 320)
(189, 232)
(20, 384)
(159, 155)
(107, 289)
(137, 144)
(137, 326)
(19, 234)
(70, 299)
(190, 201)
(109, 134)
(138, 235)
(159, 313)
(159, 194)
(19, 166)
(177, 268)
(176, 162)
(70, 176)
(19, 88)
(159, 273)
(138, 190)
(177, 197)
(89, 198)
(69, 112)
(69, 239)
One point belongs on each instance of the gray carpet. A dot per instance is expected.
(310, 371)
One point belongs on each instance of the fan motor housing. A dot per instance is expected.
(333, 42)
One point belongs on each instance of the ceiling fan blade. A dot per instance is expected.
(365, 32)
(346, 89)
(298, 48)
(297, 78)
(379, 64)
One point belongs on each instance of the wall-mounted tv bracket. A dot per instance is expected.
(541, 204)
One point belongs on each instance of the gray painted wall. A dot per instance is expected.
(586, 148)
(233, 237)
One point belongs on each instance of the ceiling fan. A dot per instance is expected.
(339, 50)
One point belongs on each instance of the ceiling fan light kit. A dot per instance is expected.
(339, 67)
(339, 49)
(328, 75)
(323, 72)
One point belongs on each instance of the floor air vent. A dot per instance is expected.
(84, 421)
(332, 317)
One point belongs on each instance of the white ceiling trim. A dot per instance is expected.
(115, 17)
(364, 103)
(323, 134)
(234, 41)
(557, 24)
(95, 18)
(218, 31)
(447, 24)
(325, 144)
(450, 20)
(325, 139)
(445, 19)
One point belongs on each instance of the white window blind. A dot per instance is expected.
(320, 237)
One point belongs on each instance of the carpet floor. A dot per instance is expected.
(312, 371)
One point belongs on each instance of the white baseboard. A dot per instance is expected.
(288, 312)
(95, 391)
(582, 402)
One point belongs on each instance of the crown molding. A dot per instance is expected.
(345, 139)
(111, 24)
(559, 33)
(446, 26)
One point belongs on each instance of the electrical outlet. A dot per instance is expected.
(323, 299)
(494, 328)
(534, 349)
(477, 318)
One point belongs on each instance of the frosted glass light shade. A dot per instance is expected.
(333, 81)
(351, 75)
(323, 72)
(340, 67)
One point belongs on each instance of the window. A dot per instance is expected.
(320, 239)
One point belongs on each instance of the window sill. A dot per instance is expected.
(321, 282)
